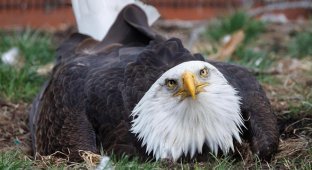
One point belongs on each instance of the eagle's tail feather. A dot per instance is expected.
(95, 17)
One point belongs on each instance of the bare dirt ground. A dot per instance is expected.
(288, 84)
(13, 126)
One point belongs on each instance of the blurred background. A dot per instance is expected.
(58, 14)
(272, 38)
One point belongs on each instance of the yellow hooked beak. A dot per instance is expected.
(189, 83)
(190, 86)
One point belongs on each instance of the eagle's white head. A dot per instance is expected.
(190, 105)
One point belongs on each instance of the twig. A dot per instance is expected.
(297, 122)
(3, 103)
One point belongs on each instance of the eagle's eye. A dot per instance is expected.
(203, 72)
(171, 84)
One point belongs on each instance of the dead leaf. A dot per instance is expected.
(230, 46)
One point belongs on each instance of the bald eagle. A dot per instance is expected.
(139, 94)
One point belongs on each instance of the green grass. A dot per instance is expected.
(268, 79)
(17, 160)
(36, 47)
(126, 163)
(298, 163)
(239, 20)
(301, 45)
(13, 160)
(251, 58)
(244, 55)
(304, 106)
(213, 163)
(223, 163)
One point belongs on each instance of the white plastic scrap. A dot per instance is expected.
(12, 57)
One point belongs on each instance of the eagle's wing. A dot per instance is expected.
(59, 119)
(260, 120)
